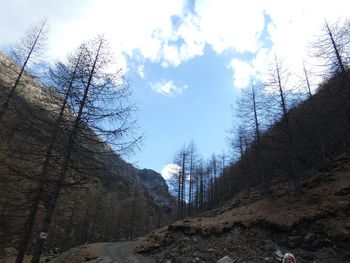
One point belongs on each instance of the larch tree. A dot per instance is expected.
(250, 110)
(180, 179)
(224, 186)
(65, 81)
(326, 158)
(332, 47)
(23, 53)
(277, 85)
(192, 152)
(101, 113)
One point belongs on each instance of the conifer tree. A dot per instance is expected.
(23, 53)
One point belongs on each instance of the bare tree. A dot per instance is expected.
(200, 185)
(223, 184)
(277, 82)
(180, 179)
(251, 109)
(23, 53)
(315, 121)
(99, 97)
(69, 75)
(333, 46)
(192, 152)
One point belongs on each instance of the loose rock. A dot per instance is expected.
(225, 259)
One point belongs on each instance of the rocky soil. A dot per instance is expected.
(315, 227)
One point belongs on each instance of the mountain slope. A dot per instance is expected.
(314, 226)
(104, 198)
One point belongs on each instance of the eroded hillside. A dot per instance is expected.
(313, 226)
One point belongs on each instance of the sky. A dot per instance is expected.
(185, 60)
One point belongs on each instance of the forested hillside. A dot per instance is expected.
(287, 190)
(62, 181)
(285, 124)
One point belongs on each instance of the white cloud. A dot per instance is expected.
(169, 170)
(243, 72)
(225, 24)
(296, 25)
(168, 88)
(171, 56)
(293, 28)
(141, 71)
(145, 29)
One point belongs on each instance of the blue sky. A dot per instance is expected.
(185, 60)
(170, 120)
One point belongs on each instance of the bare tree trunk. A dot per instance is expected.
(85, 227)
(108, 221)
(94, 219)
(179, 195)
(201, 189)
(183, 182)
(29, 225)
(190, 190)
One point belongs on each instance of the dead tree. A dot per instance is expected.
(69, 75)
(277, 84)
(23, 53)
(192, 166)
(99, 97)
(326, 158)
(180, 178)
(332, 47)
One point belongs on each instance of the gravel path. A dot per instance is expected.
(123, 252)
(116, 252)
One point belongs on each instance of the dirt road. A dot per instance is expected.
(116, 252)
(123, 252)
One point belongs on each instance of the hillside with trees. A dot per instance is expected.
(286, 187)
(63, 180)
(284, 129)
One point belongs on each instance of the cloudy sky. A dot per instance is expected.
(185, 60)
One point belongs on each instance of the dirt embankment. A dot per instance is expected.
(315, 226)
